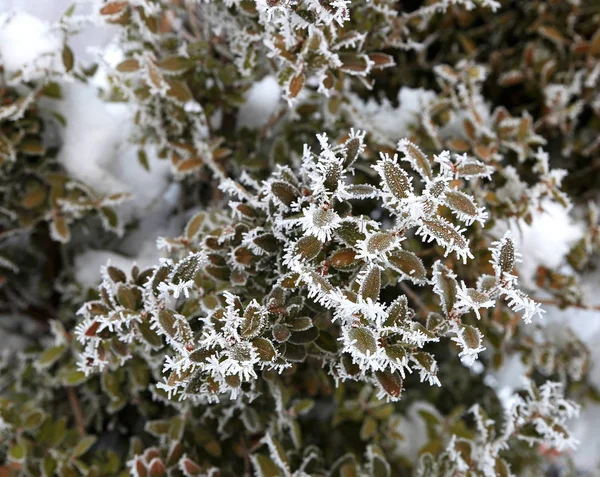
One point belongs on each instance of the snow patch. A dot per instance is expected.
(545, 242)
(387, 123)
(96, 150)
(262, 100)
(28, 44)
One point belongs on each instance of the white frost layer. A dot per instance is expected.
(261, 102)
(25, 40)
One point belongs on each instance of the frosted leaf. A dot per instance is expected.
(264, 349)
(447, 235)
(390, 383)
(470, 340)
(417, 159)
(427, 366)
(445, 286)
(471, 299)
(354, 147)
(504, 255)
(376, 245)
(395, 180)
(277, 453)
(398, 312)
(319, 287)
(520, 302)
(370, 285)
(188, 268)
(360, 191)
(409, 265)
(240, 361)
(549, 411)
(308, 247)
(469, 168)
(464, 206)
(320, 222)
(254, 320)
(363, 340)
(285, 192)
(267, 243)
(349, 232)
(343, 259)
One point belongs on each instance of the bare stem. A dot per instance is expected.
(76, 409)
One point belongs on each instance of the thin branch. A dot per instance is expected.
(545, 301)
(76, 409)
(415, 298)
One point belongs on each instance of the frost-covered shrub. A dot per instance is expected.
(349, 249)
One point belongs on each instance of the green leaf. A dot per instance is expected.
(175, 64)
(167, 319)
(267, 242)
(368, 428)
(84, 444)
(295, 353)
(305, 336)
(201, 355)
(149, 335)
(303, 406)
(52, 90)
(349, 232)
(194, 225)
(33, 419)
(51, 356)
(264, 466)
(116, 275)
(17, 453)
(326, 342)
(281, 333)
(180, 91)
(378, 464)
(68, 58)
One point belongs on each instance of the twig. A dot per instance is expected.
(545, 301)
(76, 409)
(414, 297)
